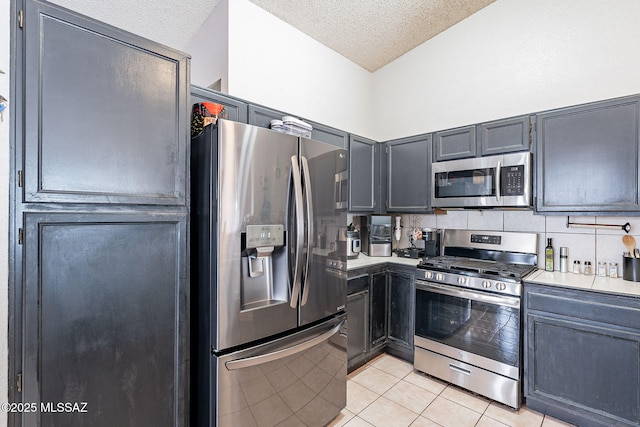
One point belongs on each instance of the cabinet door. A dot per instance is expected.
(408, 174)
(378, 313)
(401, 310)
(583, 373)
(456, 143)
(262, 116)
(588, 158)
(105, 318)
(357, 325)
(504, 136)
(364, 174)
(329, 135)
(106, 118)
(235, 110)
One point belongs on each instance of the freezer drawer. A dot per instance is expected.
(299, 379)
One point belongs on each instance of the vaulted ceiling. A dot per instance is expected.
(370, 33)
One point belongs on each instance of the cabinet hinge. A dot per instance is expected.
(19, 383)
(20, 236)
(20, 18)
(20, 181)
(530, 131)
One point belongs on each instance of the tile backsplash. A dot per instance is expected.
(585, 244)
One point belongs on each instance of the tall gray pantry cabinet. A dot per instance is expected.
(99, 203)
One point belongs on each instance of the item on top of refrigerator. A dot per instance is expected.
(276, 125)
(203, 114)
(295, 126)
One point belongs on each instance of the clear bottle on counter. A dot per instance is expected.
(587, 268)
(564, 259)
(613, 270)
(576, 267)
(602, 269)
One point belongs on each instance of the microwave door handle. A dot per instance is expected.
(498, 179)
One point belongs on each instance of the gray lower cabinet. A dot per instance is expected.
(235, 109)
(588, 157)
(458, 143)
(378, 311)
(504, 136)
(408, 163)
(388, 314)
(582, 356)
(364, 175)
(105, 318)
(401, 283)
(357, 320)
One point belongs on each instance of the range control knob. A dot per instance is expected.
(486, 284)
(428, 275)
(439, 276)
(501, 286)
(462, 280)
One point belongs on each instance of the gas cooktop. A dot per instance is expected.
(480, 268)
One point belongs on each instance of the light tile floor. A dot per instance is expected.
(388, 392)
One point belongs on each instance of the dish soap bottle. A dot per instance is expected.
(548, 256)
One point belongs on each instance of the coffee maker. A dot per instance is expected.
(375, 234)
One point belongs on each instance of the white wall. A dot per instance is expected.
(209, 49)
(512, 57)
(4, 203)
(275, 65)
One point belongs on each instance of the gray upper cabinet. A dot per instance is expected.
(503, 136)
(364, 175)
(103, 326)
(455, 143)
(329, 135)
(236, 110)
(262, 116)
(408, 162)
(116, 142)
(588, 158)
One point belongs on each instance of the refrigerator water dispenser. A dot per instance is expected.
(263, 264)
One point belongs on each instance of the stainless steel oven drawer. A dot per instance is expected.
(501, 389)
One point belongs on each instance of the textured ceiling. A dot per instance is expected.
(370, 33)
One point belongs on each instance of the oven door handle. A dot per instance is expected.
(512, 302)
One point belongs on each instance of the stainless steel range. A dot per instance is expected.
(468, 311)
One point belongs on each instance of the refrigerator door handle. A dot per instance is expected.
(279, 354)
(299, 236)
(306, 175)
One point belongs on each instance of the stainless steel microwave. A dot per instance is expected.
(483, 182)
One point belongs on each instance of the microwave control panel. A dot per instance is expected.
(513, 180)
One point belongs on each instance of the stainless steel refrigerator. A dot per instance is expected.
(268, 321)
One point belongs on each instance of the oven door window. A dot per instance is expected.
(466, 183)
(485, 329)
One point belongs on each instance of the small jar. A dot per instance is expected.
(602, 269)
(576, 267)
(587, 268)
(613, 270)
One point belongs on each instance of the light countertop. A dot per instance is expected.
(588, 282)
(366, 261)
